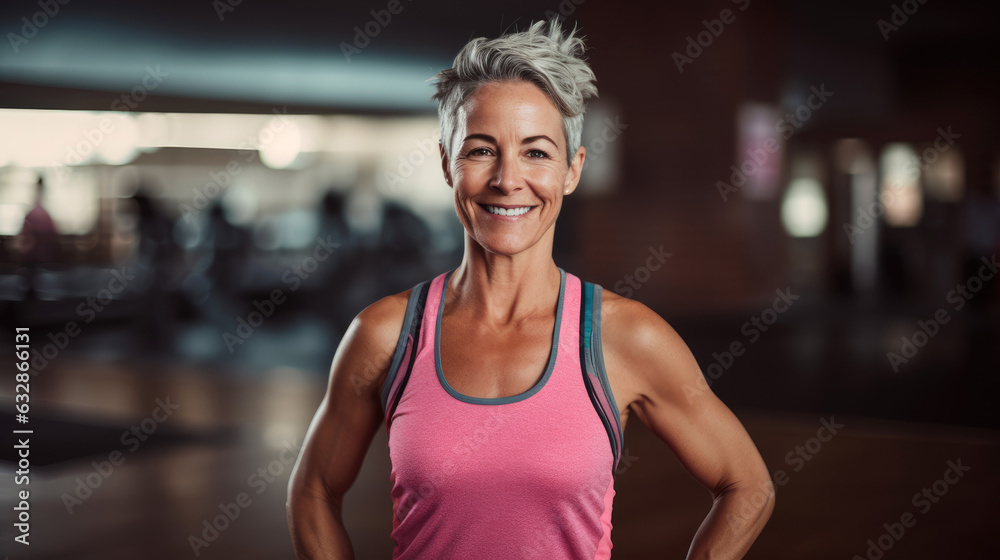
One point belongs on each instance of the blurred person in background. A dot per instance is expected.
(334, 225)
(228, 244)
(157, 254)
(404, 244)
(38, 239)
(505, 384)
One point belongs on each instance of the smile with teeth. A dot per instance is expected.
(507, 211)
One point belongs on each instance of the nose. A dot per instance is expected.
(507, 174)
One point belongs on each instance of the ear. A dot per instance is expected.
(575, 168)
(445, 165)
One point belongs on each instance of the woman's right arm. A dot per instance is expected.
(341, 432)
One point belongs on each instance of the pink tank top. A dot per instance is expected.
(519, 477)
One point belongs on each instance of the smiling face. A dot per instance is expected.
(509, 167)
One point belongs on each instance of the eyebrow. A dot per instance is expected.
(528, 140)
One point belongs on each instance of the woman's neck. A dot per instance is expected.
(505, 288)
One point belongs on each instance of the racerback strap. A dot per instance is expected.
(594, 375)
(406, 351)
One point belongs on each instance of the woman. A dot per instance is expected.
(505, 384)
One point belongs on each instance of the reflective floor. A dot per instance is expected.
(207, 443)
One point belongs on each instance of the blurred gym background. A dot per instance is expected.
(197, 197)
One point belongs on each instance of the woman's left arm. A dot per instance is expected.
(665, 388)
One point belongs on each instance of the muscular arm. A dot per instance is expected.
(341, 432)
(667, 391)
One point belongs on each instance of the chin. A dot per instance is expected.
(504, 245)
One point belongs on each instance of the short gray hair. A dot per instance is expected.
(546, 58)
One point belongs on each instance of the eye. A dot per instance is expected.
(479, 152)
(537, 154)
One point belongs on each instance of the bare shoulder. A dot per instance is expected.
(629, 326)
(373, 335)
(642, 352)
(384, 318)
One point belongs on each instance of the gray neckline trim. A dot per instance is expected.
(499, 400)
